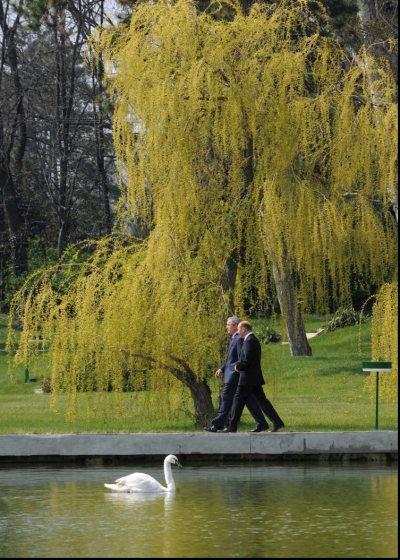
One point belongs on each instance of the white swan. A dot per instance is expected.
(140, 482)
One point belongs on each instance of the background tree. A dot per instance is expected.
(379, 30)
(67, 186)
(196, 99)
(67, 150)
(13, 139)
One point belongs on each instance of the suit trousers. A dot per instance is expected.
(227, 397)
(239, 401)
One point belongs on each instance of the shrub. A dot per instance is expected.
(345, 317)
(267, 334)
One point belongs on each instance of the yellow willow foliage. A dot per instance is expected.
(197, 98)
(240, 143)
(87, 312)
(385, 341)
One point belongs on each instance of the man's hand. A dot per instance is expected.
(218, 373)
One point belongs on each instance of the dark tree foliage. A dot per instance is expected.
(58, 182)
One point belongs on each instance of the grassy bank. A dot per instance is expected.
(324, 392)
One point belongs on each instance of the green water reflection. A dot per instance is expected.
(218, 511)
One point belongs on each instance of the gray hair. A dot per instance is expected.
(234, 320)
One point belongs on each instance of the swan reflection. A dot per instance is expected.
(129, 499)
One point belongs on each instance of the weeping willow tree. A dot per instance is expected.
(253, 159)
(385, 330)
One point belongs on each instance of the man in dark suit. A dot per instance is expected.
(231, 378)
(251, 381)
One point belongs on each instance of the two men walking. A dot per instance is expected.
(243, 384)
(231, 379)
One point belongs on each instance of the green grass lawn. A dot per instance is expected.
(324, 392)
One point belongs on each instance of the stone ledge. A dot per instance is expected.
(282, 445)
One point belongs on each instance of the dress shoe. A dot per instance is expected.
(277, 428)
(227, 431)
(211, 429)
(259, 429)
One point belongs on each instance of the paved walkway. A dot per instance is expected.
(322, 446)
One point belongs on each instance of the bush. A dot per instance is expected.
(268, 334)
(346, 317)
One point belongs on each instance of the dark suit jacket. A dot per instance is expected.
(249, 364)
(228, 367)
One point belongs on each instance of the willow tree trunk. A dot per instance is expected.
(202, 402)
(290, 308)
(199, 389)
(229, 281)
(231, 266)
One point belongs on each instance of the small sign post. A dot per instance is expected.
(377, 366)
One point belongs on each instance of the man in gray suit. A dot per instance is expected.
(231, 378)
(251, 381)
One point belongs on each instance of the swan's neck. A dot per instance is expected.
(169, 479)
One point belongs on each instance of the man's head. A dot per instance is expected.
(244, 328)
(232, 324)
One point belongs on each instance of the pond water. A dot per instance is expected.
(219, 511)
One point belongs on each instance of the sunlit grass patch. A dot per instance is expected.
(325, 392)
